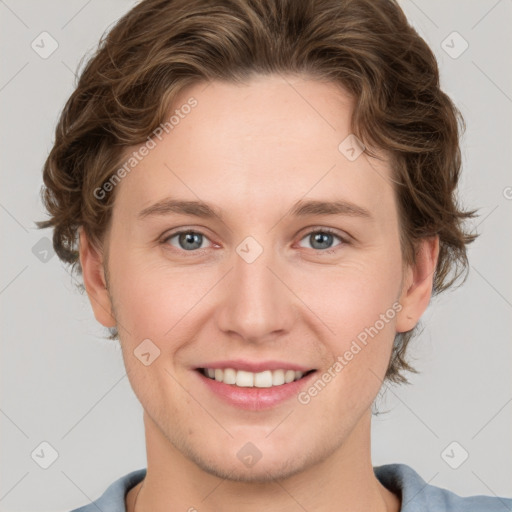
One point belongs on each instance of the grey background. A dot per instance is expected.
(64, 384)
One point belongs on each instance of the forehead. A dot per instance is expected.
(260, 145)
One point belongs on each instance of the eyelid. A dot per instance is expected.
(324, 229)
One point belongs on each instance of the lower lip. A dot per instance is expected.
(255, 399)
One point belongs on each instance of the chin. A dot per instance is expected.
(253, 463)
(261, 472)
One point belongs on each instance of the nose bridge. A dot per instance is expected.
(256, 304)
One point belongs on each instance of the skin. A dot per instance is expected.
(253, 150)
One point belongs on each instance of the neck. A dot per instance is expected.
(342, 481)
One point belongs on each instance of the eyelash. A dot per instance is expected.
(196, 252)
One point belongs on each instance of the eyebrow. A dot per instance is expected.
(301, 208)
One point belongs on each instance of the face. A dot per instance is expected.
(296, 264)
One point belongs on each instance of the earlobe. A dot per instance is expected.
(417, 287)
(93, 275)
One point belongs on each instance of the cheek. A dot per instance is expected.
(352, 297)
(152, 296)
(363, 322)
(360, 305)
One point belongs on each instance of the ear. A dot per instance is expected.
(94, 281)
(417, 287)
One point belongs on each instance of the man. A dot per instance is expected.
(260, 199)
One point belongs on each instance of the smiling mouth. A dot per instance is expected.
(245, 379)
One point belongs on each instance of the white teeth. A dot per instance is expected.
(229, 376)
(277, 377)
(244, 379)
(289, 376)
(264, 379)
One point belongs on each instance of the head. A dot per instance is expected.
(260, 111)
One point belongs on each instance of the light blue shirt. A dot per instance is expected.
(416, 494)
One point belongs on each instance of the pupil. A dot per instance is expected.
(188, 238)
(325, 237)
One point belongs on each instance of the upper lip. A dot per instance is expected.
(255, 366)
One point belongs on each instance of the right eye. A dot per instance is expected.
(186, 240)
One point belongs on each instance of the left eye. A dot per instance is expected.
(322, 238)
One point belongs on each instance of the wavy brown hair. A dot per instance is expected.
(160, 47)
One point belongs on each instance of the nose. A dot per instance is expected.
(257, 304)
